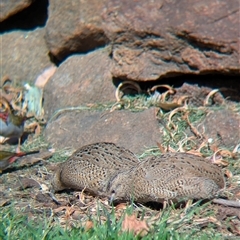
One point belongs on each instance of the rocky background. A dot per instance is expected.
(95, 45)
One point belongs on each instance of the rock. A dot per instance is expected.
(223, 127)
(25, 55)
(132, 130)
(79, 80)
(197, 94)
(150, 40)
(9, 8)
(28, 19)
(74, 27)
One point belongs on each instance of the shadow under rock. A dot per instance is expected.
(228, 85)
(34, 16)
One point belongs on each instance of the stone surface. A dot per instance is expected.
(197, 95)
(223, 126)
(74, 26)
(24, 55)
(132, 130)
(79, 80)
(198, 87)
(9, 8)
(150, 40)
(28, 19)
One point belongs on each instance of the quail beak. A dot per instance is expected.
(112, 198)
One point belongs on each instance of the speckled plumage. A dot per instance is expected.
(172, 176)
(92, 166)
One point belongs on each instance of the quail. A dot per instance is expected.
(172, 176)
(91, 167)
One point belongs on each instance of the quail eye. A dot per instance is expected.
(113, 191)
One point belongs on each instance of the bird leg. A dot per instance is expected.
(18, 149)
(165, 203)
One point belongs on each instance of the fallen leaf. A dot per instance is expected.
(226, 153)
(162, 150)
(77, 215)
(170, 122)
(170, 89)
(5, 79)
(206, 101)
(138, 227)
(193, 129)
(126, 85)
(167, 105)
(34, 127)
(69, 211)
(88, 225)
(4, 202)
(221, 162)
(60, 209)
(238, 195)
(121, 206)
(235, 226)
(228, 173)
(195, 152)
(207, 220)
(182, 100)
(217, 159)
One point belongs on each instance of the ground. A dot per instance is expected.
(28, 210)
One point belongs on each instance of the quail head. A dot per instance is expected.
(7, 158)
(172, 176)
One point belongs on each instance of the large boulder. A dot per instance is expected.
(80, 80)
(24, 55)
(150, 39)
(133, 130)
(9, 8)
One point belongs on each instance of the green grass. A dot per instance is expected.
(35, 143)
(16, 225)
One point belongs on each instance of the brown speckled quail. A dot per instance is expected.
(92, 166)
(172, 176)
